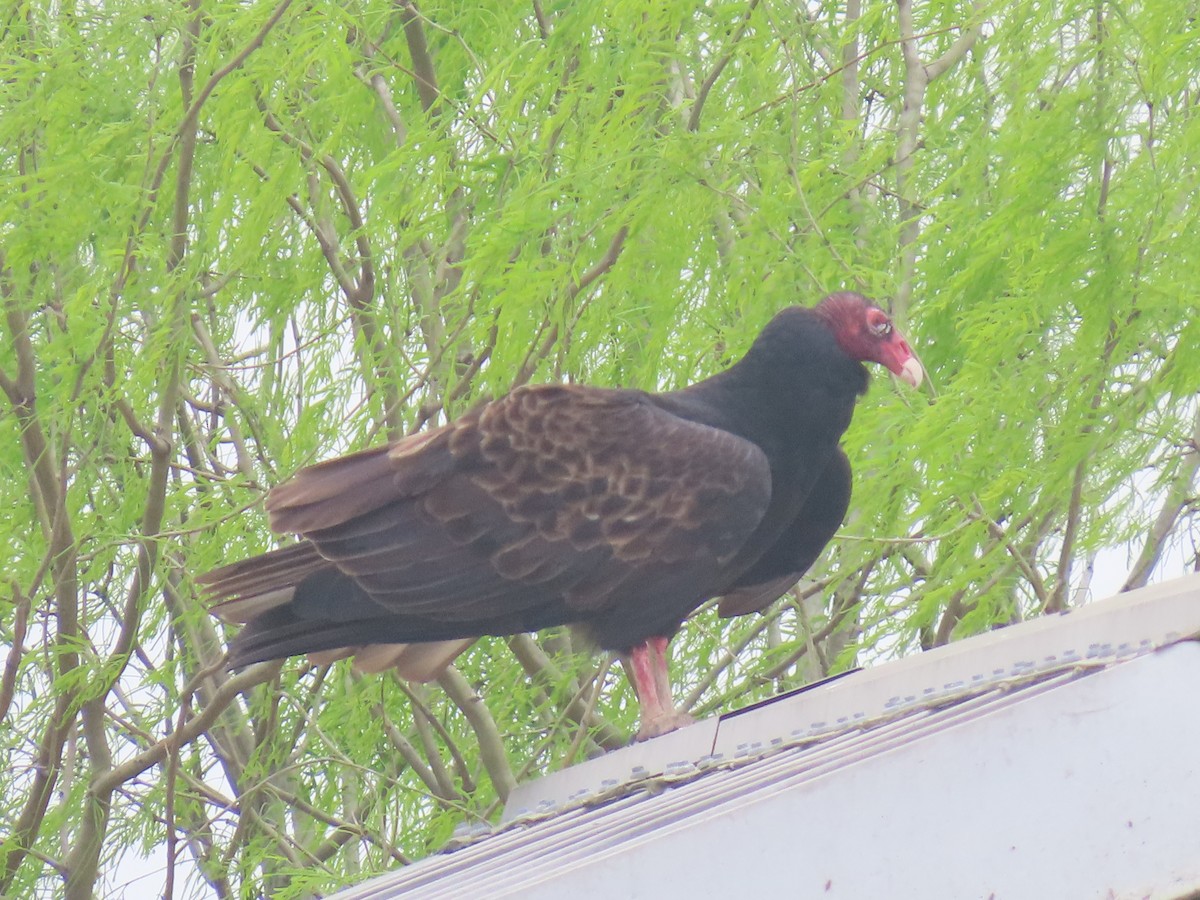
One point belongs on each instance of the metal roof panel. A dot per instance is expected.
(1050, 758)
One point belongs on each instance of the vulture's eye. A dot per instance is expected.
(881, 327)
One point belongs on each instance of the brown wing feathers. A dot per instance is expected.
(533, 510)
(339, 490)
(247, 588)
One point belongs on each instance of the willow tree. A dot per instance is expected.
(239, 238)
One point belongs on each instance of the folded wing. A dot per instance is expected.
(555, 504)
(797, 548)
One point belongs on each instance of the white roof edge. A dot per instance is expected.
(1100, 633)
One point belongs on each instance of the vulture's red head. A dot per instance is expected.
(865, 332)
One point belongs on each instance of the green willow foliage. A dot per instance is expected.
(236, 238)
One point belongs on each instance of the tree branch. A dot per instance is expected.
(693, 122)
(917, 77)
(1178, 496)
(192, 728)
(539, 666)
(491, 744)
(423, 72)
(961, 47)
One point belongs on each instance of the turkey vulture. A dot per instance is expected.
(615, 511)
